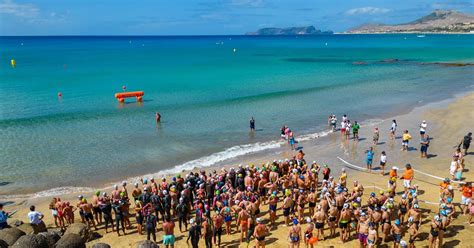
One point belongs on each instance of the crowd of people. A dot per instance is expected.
(316, 203)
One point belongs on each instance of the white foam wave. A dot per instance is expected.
(50, 192)
(206, 161)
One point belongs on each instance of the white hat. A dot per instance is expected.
(191, 221)
(394, 168)
(259, 220)
(115, 186)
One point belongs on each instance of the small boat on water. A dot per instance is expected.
(421, 36)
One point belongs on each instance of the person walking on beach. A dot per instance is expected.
(383, 162)
(376, 136)
(453, 168)
(425, 143)
(393, 129)
(355, 131)
(252, 124)
(370, 158)
(423, 127)
(291, 140)
(466, 142)
(348, 129)
(406, 137)
(332, 122)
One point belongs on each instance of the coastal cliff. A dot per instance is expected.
(308, 30)
(439, 21)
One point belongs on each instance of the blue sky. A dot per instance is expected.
(193, 17)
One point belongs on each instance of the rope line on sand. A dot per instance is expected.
(357, 167)
(440, 178)
(421, 172)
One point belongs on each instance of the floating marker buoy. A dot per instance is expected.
(124, 88)
(235, 50)
(326, 44)
(60, 94)
(13, 62)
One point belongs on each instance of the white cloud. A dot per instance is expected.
(367, 11)
(26, 10)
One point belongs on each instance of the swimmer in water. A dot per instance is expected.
(252, 124)
(158, 117)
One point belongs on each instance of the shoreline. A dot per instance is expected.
(447, 119)
(253, 152)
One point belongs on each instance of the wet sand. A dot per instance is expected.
(448, 121)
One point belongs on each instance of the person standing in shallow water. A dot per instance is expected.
(252, 124)
(158, 117)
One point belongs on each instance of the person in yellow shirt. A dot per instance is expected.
(406, 137)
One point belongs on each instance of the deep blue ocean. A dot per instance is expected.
(206, 89)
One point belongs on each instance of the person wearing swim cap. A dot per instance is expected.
(260, 232)
(136, 192)
(319, 218)
(96, 209)
(363, 229)
(412, 232)
(396, 232)
(218, 221)
(150, 225)
(87, 210)
(194, 234)
(294, 234)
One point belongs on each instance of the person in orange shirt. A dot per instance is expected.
(444, 185)
(407, 177)
(393, 172)
(466, 190)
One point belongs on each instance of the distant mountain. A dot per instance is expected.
(440, 21)
(309, 30)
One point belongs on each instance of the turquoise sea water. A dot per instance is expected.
(206, 94)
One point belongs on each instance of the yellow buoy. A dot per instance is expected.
(13, 62)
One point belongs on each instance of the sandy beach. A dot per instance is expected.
(448, 121)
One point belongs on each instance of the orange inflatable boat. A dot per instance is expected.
(137, 94)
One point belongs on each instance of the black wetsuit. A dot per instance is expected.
(107, 213)
(194, 234)
(182, 211)
(150, 226)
